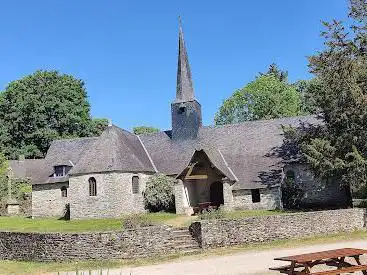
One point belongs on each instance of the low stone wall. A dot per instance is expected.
(216, 233)
(141, 242)
(163, 240)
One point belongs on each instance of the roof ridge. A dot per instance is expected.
(260, 120)
(74, 139)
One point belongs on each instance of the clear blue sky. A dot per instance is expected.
(126, 51)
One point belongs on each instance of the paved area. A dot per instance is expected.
(249, 262)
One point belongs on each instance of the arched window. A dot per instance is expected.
(64, 192)
(92, 187)
(135, 184)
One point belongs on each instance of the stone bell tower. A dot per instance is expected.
(185, 109)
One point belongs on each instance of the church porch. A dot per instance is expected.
(201, 185)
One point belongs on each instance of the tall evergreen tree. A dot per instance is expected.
(339, 150)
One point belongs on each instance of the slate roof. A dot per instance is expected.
(115, 150)
(67, 151)
(216, 159)
(61, 152)
(243, 152)
(248, 149)
(184, 88)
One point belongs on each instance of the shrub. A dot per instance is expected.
(135, 221)
(159, 194)
(292, 195)
(212, 214)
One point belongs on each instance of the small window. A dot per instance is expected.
(181, 108)
(64, 192)
(92, 187)
(61, 170)
(255, 193)
(135, 184)
(290, 176)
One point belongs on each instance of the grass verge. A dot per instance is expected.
(17, 267)
(22, 224)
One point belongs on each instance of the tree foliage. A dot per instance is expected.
(145, 130)
(268, 96)
(339, 150)
(98, 125)
(309, 90)
(39, 108)
(159, 193)
(275, 71)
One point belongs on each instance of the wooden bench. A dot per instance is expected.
(342, 270)
(284, 267)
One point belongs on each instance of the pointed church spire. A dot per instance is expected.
(185, 90)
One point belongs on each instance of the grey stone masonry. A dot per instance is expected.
(139, 242)
(270, 198)
(114, 197)
(317, 192)
(47, 200)
(227, 195)
(216, 233)
(179, 197)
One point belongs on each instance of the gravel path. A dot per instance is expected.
(249, 262)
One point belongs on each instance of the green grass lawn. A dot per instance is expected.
(22, 224)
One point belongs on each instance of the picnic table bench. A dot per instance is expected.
(302, 264)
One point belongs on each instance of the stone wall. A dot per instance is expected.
(114, 195)
(216, 233)
(163, 240)
(318, 193)
(270, 198)
(141, 242)
(47, 200)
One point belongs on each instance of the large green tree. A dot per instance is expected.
(145, 130)
(268, 96)
(338, 150)
(39, 108)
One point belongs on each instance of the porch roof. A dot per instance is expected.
(217, 160)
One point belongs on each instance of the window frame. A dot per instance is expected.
(64, 192)
(135, 185)
(255, 195)
(59, 173)
(61, 170)
(92, 182)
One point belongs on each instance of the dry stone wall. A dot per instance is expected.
(216, 233)
(140, 242)
(163, 240)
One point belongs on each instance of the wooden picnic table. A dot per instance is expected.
(302, 264)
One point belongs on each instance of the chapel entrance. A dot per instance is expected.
(216, 193)
(203, 181)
